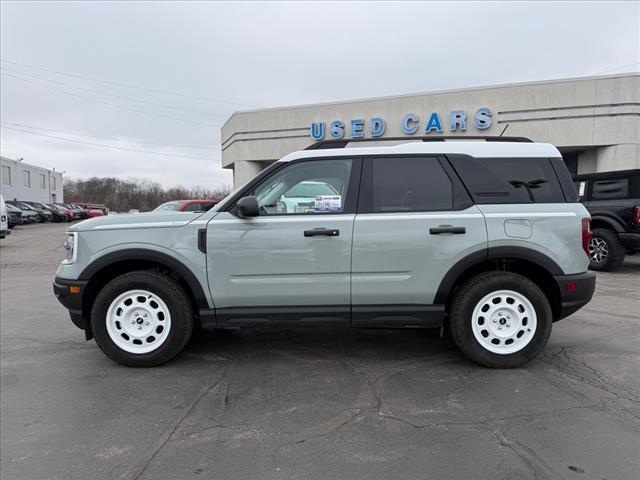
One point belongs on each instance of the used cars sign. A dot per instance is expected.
(410, 124)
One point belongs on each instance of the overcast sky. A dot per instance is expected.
(265, 55)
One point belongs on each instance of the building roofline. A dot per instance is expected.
(50, 170)
(435, 92)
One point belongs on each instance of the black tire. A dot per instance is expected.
(615, 251)
(171, 293)
(467, 297)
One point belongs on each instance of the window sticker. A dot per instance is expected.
(581, 189)
(328, 203)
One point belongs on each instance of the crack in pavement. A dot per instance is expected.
(539, 468)
(565, 362)
(534, 462)
(169, 433)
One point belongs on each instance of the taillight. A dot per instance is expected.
(586, 234)
(636, 214)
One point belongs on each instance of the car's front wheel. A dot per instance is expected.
(500, 319)
(142, 318)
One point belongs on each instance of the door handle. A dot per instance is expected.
(329, 232)
(447, 229)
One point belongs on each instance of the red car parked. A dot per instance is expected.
(94, 212)
(68, 213)
(186, 206)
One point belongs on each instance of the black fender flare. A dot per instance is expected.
(493, 253)
(152, 256)
(612, 222)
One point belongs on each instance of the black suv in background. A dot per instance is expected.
(43, 208)
(613, 200)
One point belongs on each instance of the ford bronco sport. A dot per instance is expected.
(484, 238)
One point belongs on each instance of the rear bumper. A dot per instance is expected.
(575, 292)
(72, 301)
(631, 241)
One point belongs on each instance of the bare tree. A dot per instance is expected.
(141, 193)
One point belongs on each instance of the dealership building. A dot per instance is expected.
(594, 122)
(22, 181)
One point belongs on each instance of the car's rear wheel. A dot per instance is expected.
(142, 318)
(606, 251)
(500, 319)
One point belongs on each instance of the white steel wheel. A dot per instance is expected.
(504, 322)
(598, 250)
(138, 321)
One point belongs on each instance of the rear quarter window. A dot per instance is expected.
(610, 189)
(509, 180)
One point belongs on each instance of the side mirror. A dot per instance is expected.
(247, 207)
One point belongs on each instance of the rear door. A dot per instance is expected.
(414, 222)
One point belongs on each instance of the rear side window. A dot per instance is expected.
(408, 184)
(509, 180)
(610, 189)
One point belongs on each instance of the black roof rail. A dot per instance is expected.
(343, 142)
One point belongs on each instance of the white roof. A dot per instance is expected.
(464, 147)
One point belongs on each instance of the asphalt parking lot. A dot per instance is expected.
(312, 403)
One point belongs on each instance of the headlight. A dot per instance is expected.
(71, 246)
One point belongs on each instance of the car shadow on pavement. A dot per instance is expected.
(629, 267)
(364, 344)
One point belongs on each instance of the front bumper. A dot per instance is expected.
(71, 299)
(575, 292)
(630, 241)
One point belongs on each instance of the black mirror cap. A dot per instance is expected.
(247, 207)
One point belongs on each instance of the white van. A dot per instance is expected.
(4, 219)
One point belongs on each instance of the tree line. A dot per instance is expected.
(122, 195)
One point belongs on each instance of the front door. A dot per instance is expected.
(414, 222)
(291, 264)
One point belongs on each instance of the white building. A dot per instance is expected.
(23, 181)
(594, 122)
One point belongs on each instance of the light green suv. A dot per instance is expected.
(485, 238)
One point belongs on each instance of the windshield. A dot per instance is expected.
(168, 207)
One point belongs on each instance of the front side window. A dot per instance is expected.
(409, 184)
(310, 187)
